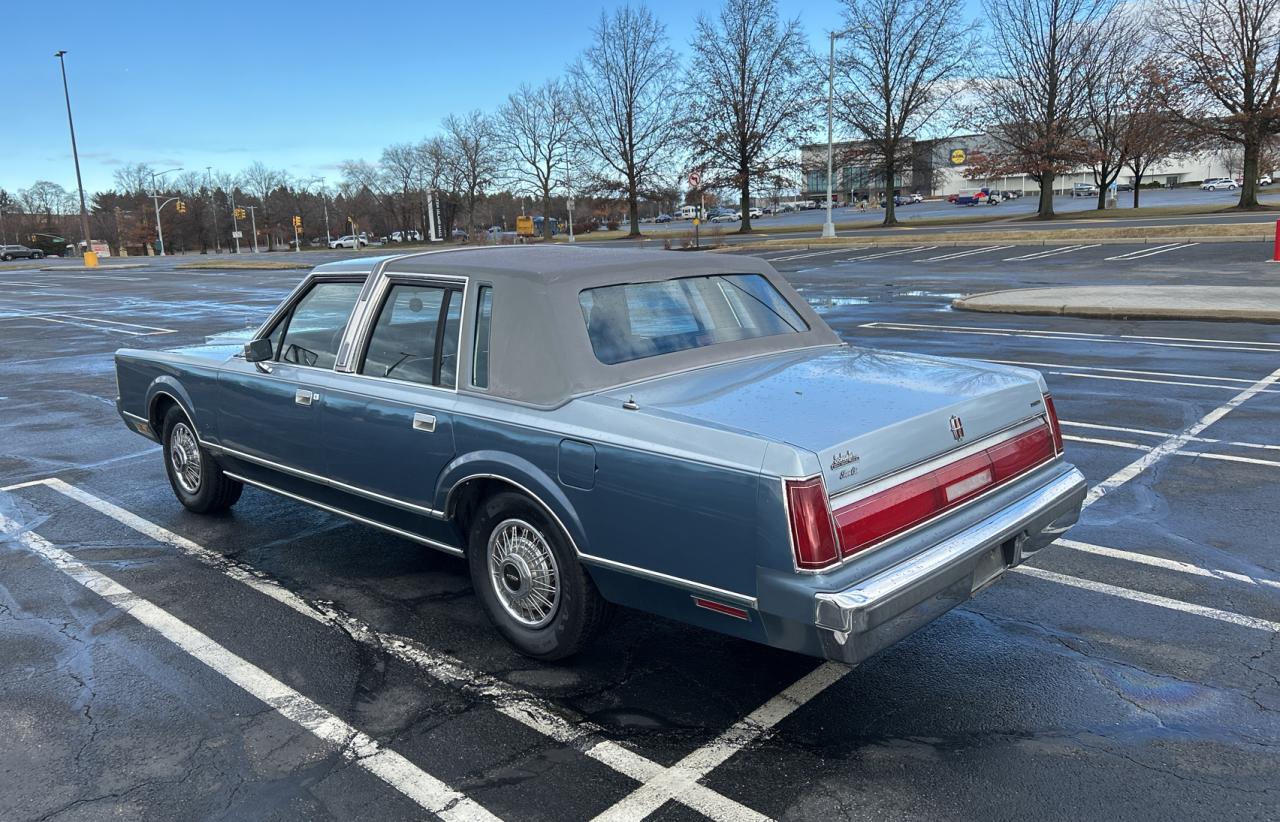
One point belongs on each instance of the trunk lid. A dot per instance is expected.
(864, 412)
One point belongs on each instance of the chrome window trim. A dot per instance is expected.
(440, 546)
(910, 472)
(323, 480)
(680, 582)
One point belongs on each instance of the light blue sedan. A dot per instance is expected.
(678, 433)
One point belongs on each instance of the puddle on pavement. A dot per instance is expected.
(827, 303)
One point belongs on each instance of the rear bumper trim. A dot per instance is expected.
(861, 620)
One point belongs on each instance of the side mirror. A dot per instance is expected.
(259, 350)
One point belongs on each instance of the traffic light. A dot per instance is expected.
(240, 213)
(182, 207)
(297, 222)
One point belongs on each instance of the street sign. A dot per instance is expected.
(235, 235)
(695, 179)
(696, 221)
(569, 204)
(957, 157)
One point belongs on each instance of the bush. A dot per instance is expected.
(612, 225)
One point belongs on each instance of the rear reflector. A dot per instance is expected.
(813, 537)
(873, 519)
(721, 608)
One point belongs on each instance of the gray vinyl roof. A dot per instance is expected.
(540, 353)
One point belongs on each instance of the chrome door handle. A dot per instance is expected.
(304, 397)
(424, 422)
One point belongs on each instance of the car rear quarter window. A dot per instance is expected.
(484, 320)
(637, 320)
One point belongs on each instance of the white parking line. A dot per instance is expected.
(1148, 433)
(1151, 252)
(1161, 562)
(803, 255)
(1208, 455)
(1239, 380)
(1114, 378)
(94, 324)
(1177, 441)
(1081, 336)
(958, 254)
(428, 792)
(890, 253)
(114, 322)
(684, 775)
(534, 713)
(1151, 599)
(1039, 255)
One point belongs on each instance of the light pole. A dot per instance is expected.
(155, 199)
(213, 208)
(324, 198)
(253, 219)
(829, 228)
(90, 256)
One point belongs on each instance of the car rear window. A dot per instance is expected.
(637, 320)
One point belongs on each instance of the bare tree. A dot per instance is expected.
(900, 69)
(1032, 100)
(533, 130)
(748, 96)
(624, 96)
(1225, 68)
(1152, 133)
(133, 178)
(473, 157)
(260, 181)
(400, 171)
(1112, 97)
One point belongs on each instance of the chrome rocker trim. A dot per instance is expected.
(400, 532)
(861, 620)
(323, 480)
(679, 582)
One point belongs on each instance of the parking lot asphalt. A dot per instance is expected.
(279, 662)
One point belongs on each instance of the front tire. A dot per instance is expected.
(527, 576)
(197, 480)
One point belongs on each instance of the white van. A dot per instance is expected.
(687, 212)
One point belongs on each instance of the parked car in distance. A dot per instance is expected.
(411, 236)
(951, 198)
(15, 252)
(348, 241)
(1264, 180)
(1215, 183)
(662, 218)
(1084, 190)
(917, 197)
(1011, 194)
(1124, 186)
(754, 213)
(459, 234)
(681, 434)
(726, 217)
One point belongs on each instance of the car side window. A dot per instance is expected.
(415, 337)
(484, 318)
(310, 333)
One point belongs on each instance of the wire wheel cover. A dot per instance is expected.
(524, 573)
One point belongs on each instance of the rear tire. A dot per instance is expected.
(527, 576)
(197, 480)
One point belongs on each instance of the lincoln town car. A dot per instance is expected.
(672, 432)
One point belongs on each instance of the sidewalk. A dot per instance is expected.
(1152, 302)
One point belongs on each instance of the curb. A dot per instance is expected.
(92, 268)
(1133, 313)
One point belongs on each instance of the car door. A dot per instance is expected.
(270, 412)
(388, 425)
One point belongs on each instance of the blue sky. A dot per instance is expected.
(300, 86)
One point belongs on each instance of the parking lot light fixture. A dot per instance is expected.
(90, 256)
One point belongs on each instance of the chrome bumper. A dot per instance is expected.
(877, 612)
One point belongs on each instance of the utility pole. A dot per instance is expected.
(155, 199)
(213, 208)
(235, 223)
(253, 218)
(90, 257)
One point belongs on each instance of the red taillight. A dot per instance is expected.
(812, 536)
(873, 519)
(1053, 423)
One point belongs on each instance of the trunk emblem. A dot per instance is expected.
(957, 428)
